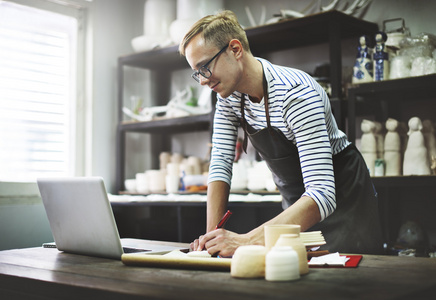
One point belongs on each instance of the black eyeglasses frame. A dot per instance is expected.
(204, 70)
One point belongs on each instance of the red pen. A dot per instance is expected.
(224, 219)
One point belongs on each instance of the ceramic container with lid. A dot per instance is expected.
(282, 264)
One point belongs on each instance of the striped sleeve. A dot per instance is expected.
(305, 114)
(300, 108)
(225, 133)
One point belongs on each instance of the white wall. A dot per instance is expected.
(23, 222)
(114, 23)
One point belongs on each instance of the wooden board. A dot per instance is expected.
(182, 262)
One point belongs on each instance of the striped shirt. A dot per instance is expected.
(300, 108)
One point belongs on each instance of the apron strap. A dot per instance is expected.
(266, 103)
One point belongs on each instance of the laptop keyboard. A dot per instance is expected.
(133, 250)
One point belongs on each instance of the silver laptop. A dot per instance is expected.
(82, 221)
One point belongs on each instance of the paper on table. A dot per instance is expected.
(312, 238)
(333, 259)
(175, 253)
(178, 253)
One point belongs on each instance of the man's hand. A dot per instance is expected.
(220, 242)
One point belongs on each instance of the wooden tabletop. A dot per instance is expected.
(44, 273)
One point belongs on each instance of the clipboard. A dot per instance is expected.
(353, 262)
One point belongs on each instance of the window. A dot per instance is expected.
(38, 64)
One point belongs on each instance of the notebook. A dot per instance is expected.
(82, 221)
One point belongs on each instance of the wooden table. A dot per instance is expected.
(42, 273)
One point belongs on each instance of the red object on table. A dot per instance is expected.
(353, 262)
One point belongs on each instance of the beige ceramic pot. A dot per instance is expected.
(296, 243)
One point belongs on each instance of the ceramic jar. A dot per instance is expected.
(248, 262)
(239, 178)
(194, 164)
(130, 185)
(142, 184)
(156, 180)
(164, 159)
(172, 179)
(188, 12)
(273, 232)
(296, 243)
(282, 264)
(158, 16)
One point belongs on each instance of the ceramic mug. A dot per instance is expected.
(273, 232)
(172, 183)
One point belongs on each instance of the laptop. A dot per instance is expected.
(82, 222)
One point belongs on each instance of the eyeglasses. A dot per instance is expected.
(204, 70)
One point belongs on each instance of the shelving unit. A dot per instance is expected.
(161, 63)
(388, 98)
(176, 125)
(328, 27)
(402, 197)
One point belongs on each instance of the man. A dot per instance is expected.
(286, 114)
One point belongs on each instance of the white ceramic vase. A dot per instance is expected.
(158, 16)
(188, 12)
(282, 264)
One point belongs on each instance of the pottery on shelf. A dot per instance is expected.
(392, 149)
(189, 12)
(368, 146)
(156, 26)
(416, 160)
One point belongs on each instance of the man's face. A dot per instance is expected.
(198, 53)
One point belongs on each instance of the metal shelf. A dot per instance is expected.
(428, 181)
(328, 27)
(396, 89)
(293, 33)
(167, 58)
(174, 125)
(387, 95)
(310, 30)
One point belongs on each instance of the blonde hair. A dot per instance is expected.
(218, 29)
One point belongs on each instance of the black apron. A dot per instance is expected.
(354, 227)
